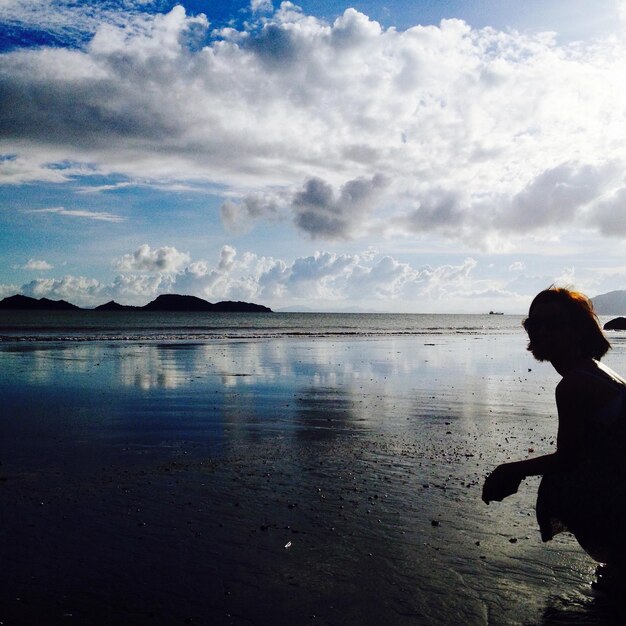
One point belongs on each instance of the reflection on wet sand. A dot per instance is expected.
(174, 476)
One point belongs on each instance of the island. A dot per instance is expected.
(163, 303)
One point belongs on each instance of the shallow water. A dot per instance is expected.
(154, 483)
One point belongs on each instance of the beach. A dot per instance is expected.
(283, 480)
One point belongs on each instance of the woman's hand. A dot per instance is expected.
(502, 482)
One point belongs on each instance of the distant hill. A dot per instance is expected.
(114, 306)
(167, 302)
(21, 303)
(173, 302)
(611, 303)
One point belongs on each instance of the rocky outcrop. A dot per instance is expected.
(619, 323)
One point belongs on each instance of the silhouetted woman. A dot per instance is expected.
(583, 489)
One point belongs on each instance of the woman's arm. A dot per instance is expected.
(572, 405)
(539, 465)
(506, 478)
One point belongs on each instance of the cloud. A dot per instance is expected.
(555, 196)
(34, 264)
(517, 266)
(531, 284)
(261, 6)
(164, 260)
(237, 216)
(275, 47)
(318, 209)
(227, 258)
(133, 288)
(609, 214)
(8, 290)
(319, 212)
(99, 216)
(71, 288)
(88, 292)
(343, 128)
(65, 22)
(324, 280)
(439, 210)
(104, 188)
(15, 170)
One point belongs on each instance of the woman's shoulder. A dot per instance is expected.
(594, 379)
(606, 371)
(591, 372)
(595, 390)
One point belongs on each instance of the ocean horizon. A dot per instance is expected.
(86, 325)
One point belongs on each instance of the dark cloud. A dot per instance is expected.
(237, 216)
(80, 112)
(438, 210)
(609, 214)
(319, 212)
(274, 45)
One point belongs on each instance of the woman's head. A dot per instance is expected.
(560, 319)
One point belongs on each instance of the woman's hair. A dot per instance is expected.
(580, 314)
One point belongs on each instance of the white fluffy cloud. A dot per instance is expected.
(8, 290)
(37, 265)
(263, 6)
(71, 288)
(164, 260)
(343, 128)
(325, 279)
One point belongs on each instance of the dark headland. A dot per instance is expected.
(166, 302)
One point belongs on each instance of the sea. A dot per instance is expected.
(171, 326)
(283, 468)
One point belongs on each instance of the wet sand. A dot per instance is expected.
(284, 481)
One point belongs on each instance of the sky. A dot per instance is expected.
(409, 156)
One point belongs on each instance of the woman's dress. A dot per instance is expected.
(590, 500)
